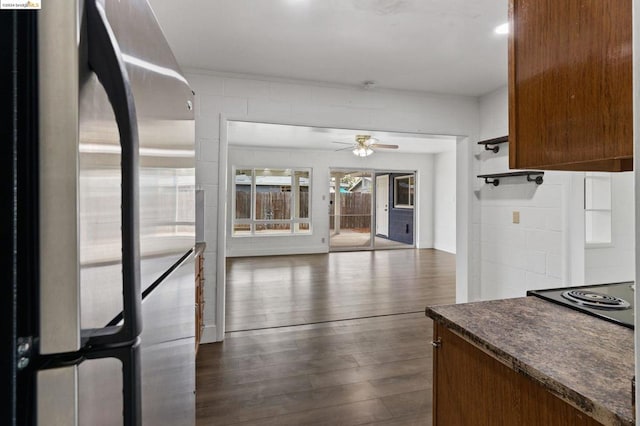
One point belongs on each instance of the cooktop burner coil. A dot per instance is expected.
(594, 299)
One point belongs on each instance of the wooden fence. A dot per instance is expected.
(270, 205)
(355, 210)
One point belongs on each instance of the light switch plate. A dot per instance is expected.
(516, 217)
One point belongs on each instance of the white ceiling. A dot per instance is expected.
(316, 138)
(444, 46)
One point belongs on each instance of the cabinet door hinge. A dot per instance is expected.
(24, 352)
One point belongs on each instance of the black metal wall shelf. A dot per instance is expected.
(493, 144)
(494, 178)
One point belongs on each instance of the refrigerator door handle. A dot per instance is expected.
(129, 356)
(106, 60)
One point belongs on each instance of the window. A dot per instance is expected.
(271, 201)
(403, 192)
(597, 208)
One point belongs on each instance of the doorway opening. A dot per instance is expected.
(256, 264)
(371, 209)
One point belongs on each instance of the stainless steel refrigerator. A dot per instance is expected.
(101, 230)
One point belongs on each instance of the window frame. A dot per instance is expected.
(294, 221)
(412, 196)
(599, 244)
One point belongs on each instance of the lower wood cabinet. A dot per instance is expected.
(472, 388)
(199, 298)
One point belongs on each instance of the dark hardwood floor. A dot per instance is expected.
(274, 291)
(366, 371)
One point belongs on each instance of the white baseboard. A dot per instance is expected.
(209, 334)
(275, 251)
(424, 244)
(447, 249)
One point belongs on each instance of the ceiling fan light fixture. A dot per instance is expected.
(362, 151)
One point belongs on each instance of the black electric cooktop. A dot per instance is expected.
(612, 302)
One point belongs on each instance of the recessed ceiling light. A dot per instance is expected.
(502, 29)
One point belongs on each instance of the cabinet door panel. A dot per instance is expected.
(570, 85)
(471, 388)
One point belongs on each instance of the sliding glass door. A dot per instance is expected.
(350, 217)
(371, 209)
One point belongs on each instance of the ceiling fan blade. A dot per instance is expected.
(344, 149)
(383, 146)
(343, 143)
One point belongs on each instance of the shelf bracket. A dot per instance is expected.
(494, 148)
(494, 182)
(493, 144)
(537, 179)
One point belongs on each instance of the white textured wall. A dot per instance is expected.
(318, 104)
(444, 204)
(616, 262)
(512, 258)
(320, 162)
(547, 248)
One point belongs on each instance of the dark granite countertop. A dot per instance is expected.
(554, 346)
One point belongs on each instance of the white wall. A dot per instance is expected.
(320, 162)
(512, 258)
(317, 104)
(444, 202)
(547, 248)
(616, 262)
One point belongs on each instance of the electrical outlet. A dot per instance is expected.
(516, 217)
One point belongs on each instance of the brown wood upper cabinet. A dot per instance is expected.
(570, 85)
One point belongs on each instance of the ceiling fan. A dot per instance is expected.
(365, 145)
